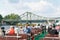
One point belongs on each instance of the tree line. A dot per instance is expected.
(12, 16)
(9, 16)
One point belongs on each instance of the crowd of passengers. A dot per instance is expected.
(17, 30)
(52, 29)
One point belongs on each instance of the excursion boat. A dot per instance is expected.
(29, 36)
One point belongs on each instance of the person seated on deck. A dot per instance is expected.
(38, 26)
(27, 29)
(17, 29)
(58, 28)
(49, 28)
(3, 30)
(54, 25)
(21, 30)
(43, 28)
(33, 26)
(1, 33)
(10, 31)
(29, 26)
(53, 31)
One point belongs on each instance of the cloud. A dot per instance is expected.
(13, 1)
(38, 6)
(43, 8)
(57, 13)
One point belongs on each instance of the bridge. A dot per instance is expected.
(29, 17)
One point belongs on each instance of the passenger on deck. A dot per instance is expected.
(27, 29)
(29, 26)
(54, 25)
(17, 30)
(1, 33)
(33, 26)
(50, 28)
(38, 26)
(3, 30)
(58, 28)
(54, 31)
(21, 30)
(10, 31)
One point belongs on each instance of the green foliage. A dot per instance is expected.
(12, 16)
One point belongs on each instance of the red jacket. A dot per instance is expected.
(12, 31)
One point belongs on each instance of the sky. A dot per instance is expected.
(46, 8)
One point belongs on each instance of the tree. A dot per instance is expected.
(12, 16)
(1, 18)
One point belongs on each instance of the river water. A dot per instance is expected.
(7, 26)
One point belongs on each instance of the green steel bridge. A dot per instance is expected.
(29, 17)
